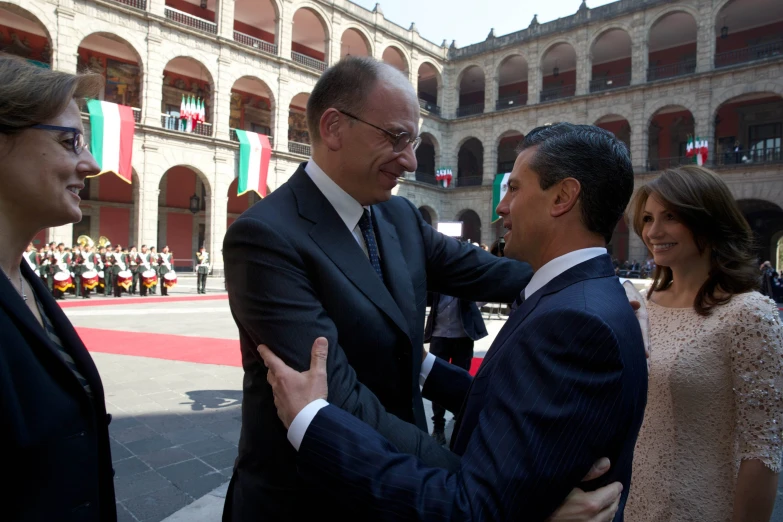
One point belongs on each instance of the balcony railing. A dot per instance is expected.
(429, 107)
(610, 82)
(299, 148)
(426, 177)
(232, 135)
(671, 71)
(470, 110)
(509, 102)
(191, 21)
(466, 181)
(138, 4)
(555, 93)
(729, 158)
(667, 163)
(749, 54)
(167, 121)
(255, 43)
(136, 115)
(305, 60)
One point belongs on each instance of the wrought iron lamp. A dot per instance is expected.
(194, 204)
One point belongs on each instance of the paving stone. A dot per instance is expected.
(132, 486)
(158, 504)
(120, 423)
(118, 451)
(184, 471)
(221, 459)
(200, 486)
(129, 466)
(188, 435)
(232, 437)
(166, 423)
(158, 442)
(123, 515)
(133, 434)
(208, 446)
(165, 457)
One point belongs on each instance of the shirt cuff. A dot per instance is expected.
(298, 428)
(426, 368)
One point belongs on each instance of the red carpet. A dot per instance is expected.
(109, 301)
(204, 350)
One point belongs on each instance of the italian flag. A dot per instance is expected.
(499, 189)
(111, 137)
(254, 155)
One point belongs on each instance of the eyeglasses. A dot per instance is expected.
(78, 142)
(399, 141)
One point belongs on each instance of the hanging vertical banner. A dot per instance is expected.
(111, 137)
(254, 155)
(444, 176)
(499, 189)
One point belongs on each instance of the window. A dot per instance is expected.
(260, 129)
(764, 142)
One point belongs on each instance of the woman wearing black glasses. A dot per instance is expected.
(54, 431)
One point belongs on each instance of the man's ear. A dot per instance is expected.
(331, 129)
(566, 195)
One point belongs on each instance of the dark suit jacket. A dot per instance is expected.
(564, 384)
(295, 272)
(55, 439)
(472, 321)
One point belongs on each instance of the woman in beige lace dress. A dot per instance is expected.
(710, 445)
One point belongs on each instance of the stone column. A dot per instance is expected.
(491, 86)
(584, 64)
(282, 102)
(639, 52)
(225, 11)
(638, 134)
(286, 30)
(221, 97)
(153, 78)
(217, 209)
(448, 97)
(534, 77)
(336, 37)
(705, 38)
(65, 44)
(149, 191)
(156, 7)
(62, 234)
(704, 118)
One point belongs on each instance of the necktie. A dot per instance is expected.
(518, 301)
(365, 225)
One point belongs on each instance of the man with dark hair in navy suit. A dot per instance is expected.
(564, 383)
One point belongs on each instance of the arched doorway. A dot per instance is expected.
(396, 59)
(425, 159)
(353, 43)
(748, 130)
(512, 83)
(255, 24)
(187, 81)
(507, 150)
(558, 72)
(428, 87)
(672, 46)
(309, 40)
(471, 91)
(766, 220)
(748, 30)
(178, 227)
(252, 106)
(611, 54)
(668, 134)
(426, 214)
(24, 35)
(298, 134)
(618, 126)
(470, 163)
(119, 64)
(471, 226)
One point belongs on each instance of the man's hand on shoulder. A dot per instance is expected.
(597, 506)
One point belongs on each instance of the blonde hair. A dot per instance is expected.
(30, 95)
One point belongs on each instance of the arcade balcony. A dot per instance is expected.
(188, 20)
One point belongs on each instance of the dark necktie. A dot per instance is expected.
(518, 301)
(365, 225)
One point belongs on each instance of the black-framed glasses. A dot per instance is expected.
(78, 143)
(399, 140)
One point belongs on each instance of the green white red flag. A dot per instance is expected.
(255, 152)
(111, 137)
(499, 189)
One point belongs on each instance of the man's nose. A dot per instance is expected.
(407, 159)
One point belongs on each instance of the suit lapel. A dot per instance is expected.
(338, 243)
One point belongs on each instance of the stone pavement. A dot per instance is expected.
(176, 424)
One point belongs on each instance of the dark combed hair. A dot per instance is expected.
(344, 86)
(592, 156)
(30, 95)
(701, 201)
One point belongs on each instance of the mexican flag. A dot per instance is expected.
(111, 137)
(499, 189)
(254, 155)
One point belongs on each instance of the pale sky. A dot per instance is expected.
(469, 21)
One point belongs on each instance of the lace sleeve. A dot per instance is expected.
(757, 375)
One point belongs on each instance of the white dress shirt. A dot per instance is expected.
(349, 210)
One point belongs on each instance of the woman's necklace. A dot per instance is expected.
(21, 285)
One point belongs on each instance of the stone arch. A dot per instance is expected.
(554, 43)
(269, 92)
(773, 88)
(433, 216)
(651, 110)
(129, 38)
(34, 14)
(665, 11)
(471, 225)
(610, 26)
(465, 69)
(510, 54)
(368, 41)
(318, 11)
(133, 101)
(766, 220)
(406, 59)
(427, 154)
(505, 134)
(607, 111)
(470, 162)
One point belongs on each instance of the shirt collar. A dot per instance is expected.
(349, 210)
(559, 265)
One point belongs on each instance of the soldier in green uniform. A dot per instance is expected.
(108, 271)
(202, 264)
(118, 265)
(62, 263)
(31, 257)
(133, 266)
(88, 261)
(155, 268)
(144, 265)
(77, 269)
(165, 263)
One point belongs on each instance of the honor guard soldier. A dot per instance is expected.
(155, 268)
(62, 265)
(202, 264)
(165, 259)
(31, 257)
(104, 254)
(143, 259)
(133, 265)
(118, 265)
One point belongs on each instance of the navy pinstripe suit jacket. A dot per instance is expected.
(564, 384)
